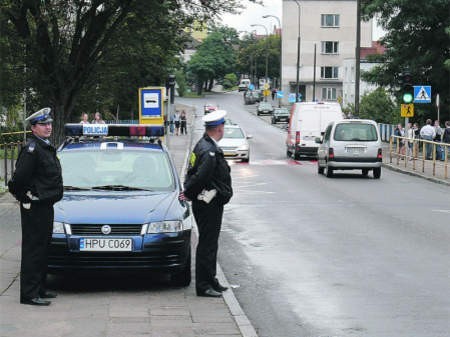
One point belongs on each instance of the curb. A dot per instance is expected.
(243, 323)
(416, 174)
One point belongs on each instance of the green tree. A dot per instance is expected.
(378, 105)
(214, 58)
(230, 80)
(251, 58)
(418, 41)
(68, 48)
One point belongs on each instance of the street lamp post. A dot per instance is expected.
(297, 84)
(281, 58)
(267, 54)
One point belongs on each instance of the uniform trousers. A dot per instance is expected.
(209, 221)
(37, 228)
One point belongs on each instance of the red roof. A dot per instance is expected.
(376, 49)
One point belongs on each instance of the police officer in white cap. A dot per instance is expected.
(208, 185)
(37, 185)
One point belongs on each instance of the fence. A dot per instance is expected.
(420, 155)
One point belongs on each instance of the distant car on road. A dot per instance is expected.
(244, 84)
(209, 107)
(280, 115)
(251, 97)
(264, 108)
(234, 143)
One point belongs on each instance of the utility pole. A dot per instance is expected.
(357, 55)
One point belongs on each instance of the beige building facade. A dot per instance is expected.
(327, 31)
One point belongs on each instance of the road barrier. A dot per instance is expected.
(420, 155)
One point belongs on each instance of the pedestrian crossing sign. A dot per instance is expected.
(422, 94)
(407, 110)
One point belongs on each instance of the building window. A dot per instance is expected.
(329, 72)
(329, 20)
(328, 94)
(330, 47)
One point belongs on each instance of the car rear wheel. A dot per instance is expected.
(182, 278)
(329, 172)
(377, 172)
(365, 172)
(319, 169)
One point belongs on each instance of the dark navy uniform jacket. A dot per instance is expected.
(37, 170)
(208, 170)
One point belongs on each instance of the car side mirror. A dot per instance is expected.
(249, 136)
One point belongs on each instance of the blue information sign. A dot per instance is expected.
(151, 101)
(291, 98)
(280, 94)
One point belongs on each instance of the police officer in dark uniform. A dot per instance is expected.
(208, 185)
(37, 185)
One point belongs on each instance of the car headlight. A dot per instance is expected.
(61, 228)
(165, 227)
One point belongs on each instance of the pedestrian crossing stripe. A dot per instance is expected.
(422, 94)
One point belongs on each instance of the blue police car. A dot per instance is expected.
(121, 208)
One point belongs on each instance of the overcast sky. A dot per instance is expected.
(253, 15)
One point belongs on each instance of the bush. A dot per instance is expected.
(229, 81)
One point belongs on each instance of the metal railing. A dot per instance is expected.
(420, 154)
(9, 151)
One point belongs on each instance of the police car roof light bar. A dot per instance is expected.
(117, 130)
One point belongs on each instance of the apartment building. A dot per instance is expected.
(327, 31)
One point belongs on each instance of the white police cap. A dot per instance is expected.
(214, 118)
(40, 117)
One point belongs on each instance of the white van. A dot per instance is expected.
(307, 121)
(244, 84)
(350, 144)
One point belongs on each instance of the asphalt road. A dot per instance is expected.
(346, 256)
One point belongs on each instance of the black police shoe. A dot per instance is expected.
(209, 292)
(218, 287)
(35, 301)
(48, 294)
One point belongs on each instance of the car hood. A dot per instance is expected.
(231, 142)
(120, 208)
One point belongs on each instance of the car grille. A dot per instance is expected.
(228, 148)
(93, 229)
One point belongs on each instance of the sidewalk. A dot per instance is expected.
(424, 169)
(156, 310)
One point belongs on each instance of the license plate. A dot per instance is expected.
(105, 245)
(228, 154)
(355, 150)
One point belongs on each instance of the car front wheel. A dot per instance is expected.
(319, 169)
(329, 172)
(182, 278)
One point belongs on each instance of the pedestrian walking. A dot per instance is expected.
(400, 133)
(438, 138)
(183, 122)
(208, 185)
(37, 185)
(428, 133)
(176, 119)
(410, 140)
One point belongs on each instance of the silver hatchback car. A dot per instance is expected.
(350, 144)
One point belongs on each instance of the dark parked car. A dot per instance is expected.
(280, 115)
(264, 108)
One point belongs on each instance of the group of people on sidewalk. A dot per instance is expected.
(408, 144)
(177, 123)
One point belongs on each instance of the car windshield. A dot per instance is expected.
(281, 112)
(116, 169)
(355, 132)
(233, 133)
(265, 105)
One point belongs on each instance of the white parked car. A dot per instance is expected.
(350, 144)
(234, 143)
